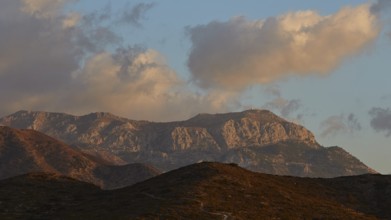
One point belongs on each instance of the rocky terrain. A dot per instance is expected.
(255, 139)
(199, 191)
(25, 151)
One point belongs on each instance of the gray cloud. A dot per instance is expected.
(238, 53)
(332, 126)
(381, 120)
(134, 15)
(284, 106)
(35, 51)
(44, 8)
(380, 6)
(339, 124)
(352, 123)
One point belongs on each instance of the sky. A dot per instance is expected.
(321, 64)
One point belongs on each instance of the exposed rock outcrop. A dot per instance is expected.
(255, 139)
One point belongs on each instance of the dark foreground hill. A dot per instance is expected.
(199, 191)
(25, 151)
(255, 139)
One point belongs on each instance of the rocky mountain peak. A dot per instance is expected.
(101, 115)
(251, 128)
(257, 115)
(255, 139)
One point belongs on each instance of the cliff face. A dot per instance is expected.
(255, 139)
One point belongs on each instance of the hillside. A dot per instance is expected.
(255, 139)
(25, 151)
(200, 191)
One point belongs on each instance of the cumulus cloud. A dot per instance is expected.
(130, 80)
(381, 120)
(241, 52)
(339, 124)
(56, 61)
(134, 15)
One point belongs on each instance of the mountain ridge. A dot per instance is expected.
(251, 138)
(25, 151)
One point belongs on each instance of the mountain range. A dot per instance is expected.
(26, 151)
(199, 191)
(254, 139)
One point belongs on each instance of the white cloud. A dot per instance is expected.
(240, 52)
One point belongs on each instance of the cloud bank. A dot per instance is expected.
(241, 52)
(381, 120)
(56, 61)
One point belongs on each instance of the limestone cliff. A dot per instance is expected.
(252, 138)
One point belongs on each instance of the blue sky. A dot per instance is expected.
(157, 63)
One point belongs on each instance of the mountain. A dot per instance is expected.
(200, 191)
(25, 151)
(255, 139)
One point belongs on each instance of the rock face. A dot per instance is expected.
(255, 139)
(25, 151)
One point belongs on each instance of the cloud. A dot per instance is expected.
(67, 62)
(55, 60)
(284, 106)
(380, 6)
(381, 120)
(137, 82)
(352, 123)
(36, 53)
(71, 20)
(134, 15)
(44, 8)
(339, 124)
(240, 52)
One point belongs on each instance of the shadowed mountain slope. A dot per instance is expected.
(255, 139)
(25, 151)
(201, 191)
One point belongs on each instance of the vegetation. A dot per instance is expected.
(200, 191)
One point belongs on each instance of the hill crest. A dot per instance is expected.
(24, 151)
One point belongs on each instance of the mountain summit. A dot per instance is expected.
(255, 139)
